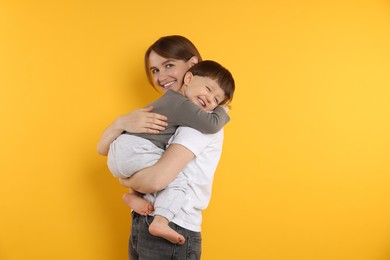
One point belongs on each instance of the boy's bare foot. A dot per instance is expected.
(159, 228)
(138, 204)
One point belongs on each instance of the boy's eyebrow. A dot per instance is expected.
(220, 97)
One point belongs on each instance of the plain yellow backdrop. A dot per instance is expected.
(305, 171)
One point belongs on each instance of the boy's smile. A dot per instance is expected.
(203, 91)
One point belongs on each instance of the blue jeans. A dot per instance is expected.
(144, 246)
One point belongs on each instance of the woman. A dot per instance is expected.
(190, 151)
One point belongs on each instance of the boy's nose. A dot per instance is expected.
(210, 97)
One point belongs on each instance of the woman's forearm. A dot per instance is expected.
(159, 175)
(109, 135)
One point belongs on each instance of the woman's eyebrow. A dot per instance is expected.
(162, 64)
(167, 61)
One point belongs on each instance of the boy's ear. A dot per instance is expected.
(194, 60)
(188, 77)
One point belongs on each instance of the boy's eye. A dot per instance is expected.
(216, 100)
(208, 89)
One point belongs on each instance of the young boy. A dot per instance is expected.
(207, 87)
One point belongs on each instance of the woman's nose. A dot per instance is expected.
(162, 76)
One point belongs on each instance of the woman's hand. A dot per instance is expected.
(125, 182)
(143, 121)
(138, 121)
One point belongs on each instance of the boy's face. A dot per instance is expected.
(203, 91)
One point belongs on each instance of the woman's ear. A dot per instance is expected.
(194, 60)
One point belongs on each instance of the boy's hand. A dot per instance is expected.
(226, 107)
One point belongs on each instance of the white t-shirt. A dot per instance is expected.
(200, 173)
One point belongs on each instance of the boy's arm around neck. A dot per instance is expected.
(191, 115)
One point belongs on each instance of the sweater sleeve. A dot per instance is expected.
(190, 114)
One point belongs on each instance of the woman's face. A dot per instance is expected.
(168, 73)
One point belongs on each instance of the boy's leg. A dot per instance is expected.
(136, 202)
(167, 204)
(129, 154)
(142, 245)
(160, 228)
(170, 200)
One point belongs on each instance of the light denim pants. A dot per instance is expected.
(144, 246)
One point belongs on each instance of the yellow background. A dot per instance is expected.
(305, 172)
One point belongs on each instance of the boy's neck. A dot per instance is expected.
(182, 89)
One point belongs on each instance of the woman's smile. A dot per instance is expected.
(168, 85)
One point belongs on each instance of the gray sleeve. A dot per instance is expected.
(190, 114)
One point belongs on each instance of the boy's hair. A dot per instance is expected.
(171, 47)
(217, 72)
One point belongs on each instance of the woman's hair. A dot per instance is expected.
(217, 72)
(171, 47)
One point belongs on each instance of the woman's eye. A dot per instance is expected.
(169, 66)
(154, 71)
